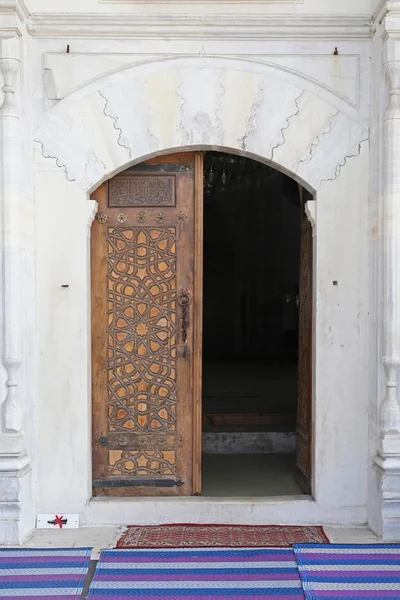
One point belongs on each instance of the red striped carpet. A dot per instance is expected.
(224, 536)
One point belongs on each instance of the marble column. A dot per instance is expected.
(11, 228)
(387, 459)
(390, 407)
(15, 477)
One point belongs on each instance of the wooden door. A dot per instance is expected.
(305, 382)
(145, 321)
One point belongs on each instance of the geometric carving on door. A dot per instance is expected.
(145, 463)
(142, 336)
(144, 411)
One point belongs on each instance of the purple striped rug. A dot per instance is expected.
(348, 571)
(212, 573)
(43, 574)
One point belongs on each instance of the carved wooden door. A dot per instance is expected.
(305, 382)
(145, 403)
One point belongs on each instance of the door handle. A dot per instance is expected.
(184, 301)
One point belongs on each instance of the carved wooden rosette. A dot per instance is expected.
(142, 398)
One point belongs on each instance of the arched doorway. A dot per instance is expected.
(160, 225)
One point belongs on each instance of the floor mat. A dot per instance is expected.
(215, 574)
(34, 574)
(348, 571)
(214, 536)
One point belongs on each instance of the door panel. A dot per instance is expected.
(142, 264)
(304, 405)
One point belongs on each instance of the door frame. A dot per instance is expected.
(304, 198)
(197, 351)
(197, 324)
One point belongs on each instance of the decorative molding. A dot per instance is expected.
(379, 14)
(269, 2)
(14, 6)
(12, 408)
(384, 7)
(202, 26)
(15, 470)
(9, 68)
(11, 209)
(393, 6)
(310, 209)
(389, 440)
(13, 16)
(11, 445)
(392, 71)
(390, 409)
(92, 208)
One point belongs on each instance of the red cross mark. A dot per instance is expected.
(59, 521)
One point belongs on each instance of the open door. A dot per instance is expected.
(146, 312)
(304, 405)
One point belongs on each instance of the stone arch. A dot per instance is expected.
(98, 130)
(128, 116)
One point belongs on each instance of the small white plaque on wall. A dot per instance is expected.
(57, 521)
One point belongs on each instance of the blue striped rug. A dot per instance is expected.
(215, 574)
(348, 571)
(43, 574)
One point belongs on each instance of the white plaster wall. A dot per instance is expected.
(300, 124)
(62, 453)
(204, 7)
(342, 336)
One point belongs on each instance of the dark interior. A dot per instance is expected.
(251, 286)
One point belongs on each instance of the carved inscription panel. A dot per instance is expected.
(141, 190)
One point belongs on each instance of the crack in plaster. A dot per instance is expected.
(250, 126)
(185, 136)
(153, 137)
(317, 141)
(284, 128)
(92, 157)
(59, 164)
(116, 127)
(346, 158)
(218, 112)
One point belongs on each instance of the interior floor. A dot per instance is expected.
(249, 475)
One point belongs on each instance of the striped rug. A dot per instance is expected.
(215, 574)
(43, 574)
(348, 571)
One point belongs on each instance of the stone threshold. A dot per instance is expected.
(278, 510)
